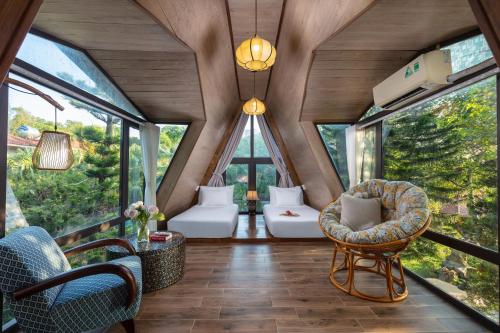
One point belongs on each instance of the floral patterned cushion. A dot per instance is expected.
(405, 211)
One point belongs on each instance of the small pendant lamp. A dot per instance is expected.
(53, 151)
(255, 54)
(254, 106)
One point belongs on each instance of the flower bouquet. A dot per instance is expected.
(141, 214)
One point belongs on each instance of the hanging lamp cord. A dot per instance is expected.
(255, 17)
(55, 119)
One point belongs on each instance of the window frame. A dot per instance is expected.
(463, 79)
(128, 121)
(251, 163)
(188, 126)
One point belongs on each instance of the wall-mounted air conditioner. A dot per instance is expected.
(427, 72)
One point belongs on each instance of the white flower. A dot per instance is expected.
(138, 204)
(127, 212)
(153, 209)
(133, 213)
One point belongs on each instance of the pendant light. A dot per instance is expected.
(255, 54)
(254, 106)
(53, 151)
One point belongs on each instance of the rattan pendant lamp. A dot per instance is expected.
(53, 151)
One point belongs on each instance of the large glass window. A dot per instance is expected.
(448, 146)
(74, 67)
(61, 202)
(464, 277)
(170, 138)
(334, 138)
(468, 53)
(251, 167)
(237, 175)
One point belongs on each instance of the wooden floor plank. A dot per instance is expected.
(284, 288)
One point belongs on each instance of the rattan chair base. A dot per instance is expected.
(382, 265)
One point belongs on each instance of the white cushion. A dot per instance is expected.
(359, 213)
(216, 196)
(282, 196)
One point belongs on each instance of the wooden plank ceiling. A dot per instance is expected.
(346, 67)
(154, 68)
(242, 14)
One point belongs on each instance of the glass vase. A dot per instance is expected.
(143, 233)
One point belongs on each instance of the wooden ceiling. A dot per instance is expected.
(347, 66)
(175, 60)
(154, 68)
(242, 14)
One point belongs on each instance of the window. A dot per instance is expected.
(170, 138)
(251, 167)
(74, 67)
(371, 111)
(61, 202)
(467, 278)
(135, 168)
(334, 139)
(468, 53)
(448, 146)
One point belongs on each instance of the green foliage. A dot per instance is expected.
(449, 148)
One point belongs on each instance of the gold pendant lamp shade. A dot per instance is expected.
(53, 151)
(254, 107)
(255, 54)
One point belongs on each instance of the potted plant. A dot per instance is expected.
(141, 214)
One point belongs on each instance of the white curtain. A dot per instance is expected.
(150, 141)
(227, 154)
(272, 147)
(350, 143)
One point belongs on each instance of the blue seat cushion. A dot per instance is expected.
(96, 301)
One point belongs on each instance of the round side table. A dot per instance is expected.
(162, 262)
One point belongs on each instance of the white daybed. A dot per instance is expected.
(215, 216)
(206, 221)
(303, 226)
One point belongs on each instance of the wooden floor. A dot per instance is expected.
(251, 227)
(283, 287)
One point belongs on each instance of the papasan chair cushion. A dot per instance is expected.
(404, 208)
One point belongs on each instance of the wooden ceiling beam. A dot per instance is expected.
(16, 18)
(305, 26)
(204, 27)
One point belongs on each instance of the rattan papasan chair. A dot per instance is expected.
(405, 216)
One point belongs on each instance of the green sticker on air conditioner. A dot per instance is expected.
(416, 67)
(408, 72)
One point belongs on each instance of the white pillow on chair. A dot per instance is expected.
(359, 213)
(216, 196)
(286, 196)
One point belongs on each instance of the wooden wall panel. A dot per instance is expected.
(16, 17)
(204, 27)
(305, 25)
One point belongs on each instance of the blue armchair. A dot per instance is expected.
(46, 295)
